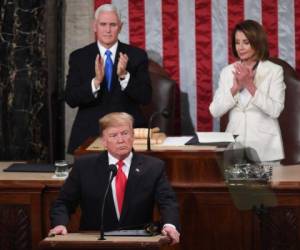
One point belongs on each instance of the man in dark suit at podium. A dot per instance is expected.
(106, 76)
(140, 182)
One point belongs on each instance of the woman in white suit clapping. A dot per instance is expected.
(252, 91)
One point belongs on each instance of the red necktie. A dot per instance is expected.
(120, 185)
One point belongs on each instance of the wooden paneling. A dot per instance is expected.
(213, 215)
(20, 217)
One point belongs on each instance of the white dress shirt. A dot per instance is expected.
(244, 97)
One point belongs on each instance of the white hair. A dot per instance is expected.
(105, 8)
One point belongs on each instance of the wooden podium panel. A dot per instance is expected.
(89, 240)
(210, 214)
(20, 216)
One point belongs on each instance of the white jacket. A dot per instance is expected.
(256, 123)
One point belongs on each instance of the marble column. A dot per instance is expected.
(78, 33)
(24, 125)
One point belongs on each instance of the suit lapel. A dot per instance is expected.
(115, 79)
(136, 170)
(92, 53)
(95, 50)
(260, 74)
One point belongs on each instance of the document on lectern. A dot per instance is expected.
(176, 140)
(136, 232)
(214, 137)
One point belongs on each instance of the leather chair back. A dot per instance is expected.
(163, 97)
(289, 119)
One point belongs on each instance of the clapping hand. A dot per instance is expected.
(122, 64)
(243, 78)
(99, 71)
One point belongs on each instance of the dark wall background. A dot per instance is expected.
(31, 109)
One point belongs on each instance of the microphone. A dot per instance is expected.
(112, 173)
(165, 113)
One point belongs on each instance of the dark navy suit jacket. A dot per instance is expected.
(78, 92)
(147, 185)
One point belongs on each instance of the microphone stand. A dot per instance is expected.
(165, 114)
(149, 129)
(112, 172)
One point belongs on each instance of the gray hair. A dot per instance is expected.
(105, 8)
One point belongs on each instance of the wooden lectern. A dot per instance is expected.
(89, 240)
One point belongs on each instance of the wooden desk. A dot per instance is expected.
(209, 214)
(214, 215)
(25, 200)
(89, 240)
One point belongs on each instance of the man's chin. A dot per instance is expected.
(108, 42)
(124, 151)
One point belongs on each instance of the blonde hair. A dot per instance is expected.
(115, 119)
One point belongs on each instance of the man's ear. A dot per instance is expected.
(121, 25)
(102, 142)
(94, 26)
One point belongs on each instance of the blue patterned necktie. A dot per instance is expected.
(108, 69)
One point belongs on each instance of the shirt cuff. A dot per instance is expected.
(168, 225)
(124, 81)
(94, 89)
